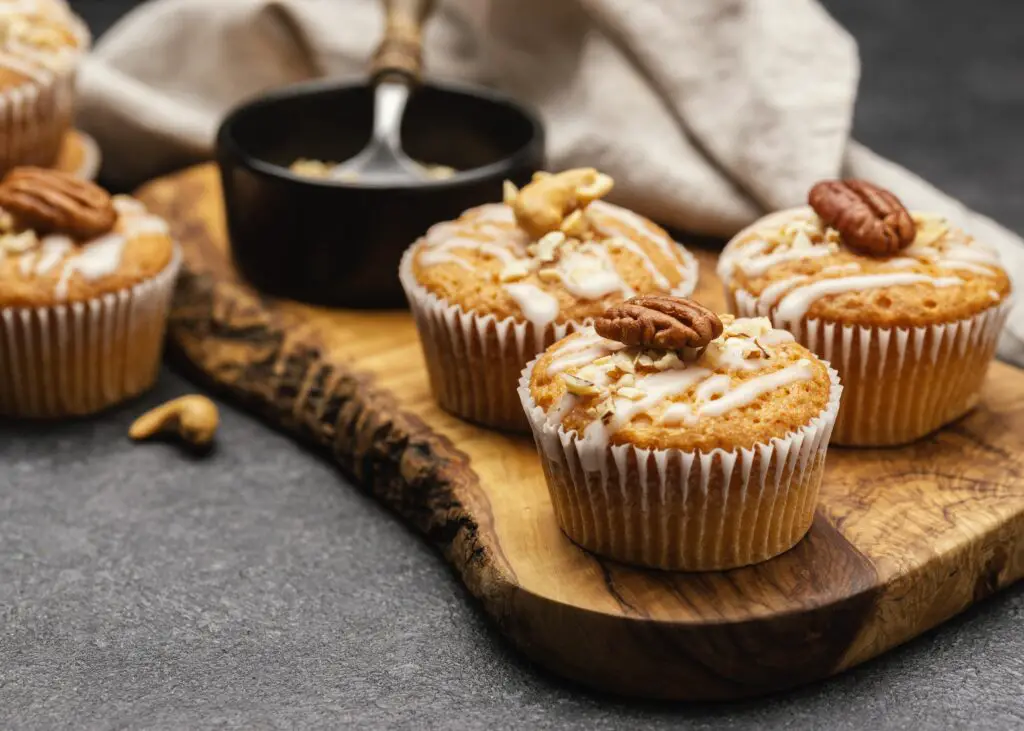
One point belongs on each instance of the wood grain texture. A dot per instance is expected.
(903, 539)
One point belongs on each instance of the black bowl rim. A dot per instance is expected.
(226, 140)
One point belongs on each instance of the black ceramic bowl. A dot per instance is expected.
(339, 243)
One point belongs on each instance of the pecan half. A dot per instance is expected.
(870, 219)
(48, 201)
(667, 323)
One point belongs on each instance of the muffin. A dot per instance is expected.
(906, 306)
(41, 43)
(675, 439)
(502, 282)
(86, 283)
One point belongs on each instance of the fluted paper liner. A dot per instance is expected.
(684, 511)
(79, 358)
(899, 383)
(474, 361)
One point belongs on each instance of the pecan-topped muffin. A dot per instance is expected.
(85, 282)
(904, 304)
(41, 44)
(677, 439)
(493, 288)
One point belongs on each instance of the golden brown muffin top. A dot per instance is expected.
(568, 264)
(38, 37)
(794, 266)
(751, 384)
(42, 269)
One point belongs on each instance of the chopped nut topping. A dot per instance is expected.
(19, 243)
(509, 192)
(606, 411)
(575, 225)
(623, 362)
(667, 361)
(633, 394)
(627, 379)
(513, 271)
(546, 250)
(579, 386)
(930, 230)
(748, 327)
(549, 275)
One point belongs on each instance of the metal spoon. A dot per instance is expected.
(395, 69)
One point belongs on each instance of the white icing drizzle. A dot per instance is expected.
(51, 252)
(735, 251)
(902, 262)
(752, 389)
(497, 212)
(128, 206)
(539, 307)
(648, 262)
(591, 275)
(712, 387)
(847, 268)
(635, 223)
(430, 257)
(755, 266)
(795, 304)
(678, 413)
(136, 225)
(775, 290)
(580, 350)
(968, 267)
(99, 258)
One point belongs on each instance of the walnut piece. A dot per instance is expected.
(870, 219)
(662, 322)
(48, 201)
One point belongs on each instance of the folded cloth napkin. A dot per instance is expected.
(707, 113)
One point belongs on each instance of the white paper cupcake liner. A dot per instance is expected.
(900, 383)
(79, 358)
(684, 511)
(474, 361)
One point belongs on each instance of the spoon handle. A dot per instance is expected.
(400, 52)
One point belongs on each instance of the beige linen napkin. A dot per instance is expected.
(706, 112)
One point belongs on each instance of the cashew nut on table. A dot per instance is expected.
(193, 419)
(552, 201)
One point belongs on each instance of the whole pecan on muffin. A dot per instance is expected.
(49, 201)
(660, 321)
(870, 219)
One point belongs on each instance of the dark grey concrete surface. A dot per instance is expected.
(255, 589)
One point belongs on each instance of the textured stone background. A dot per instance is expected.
(141, 589)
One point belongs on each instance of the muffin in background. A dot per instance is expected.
(502, 282)
(41, 44)
(675, 439)
(85, 285)
(905, 305)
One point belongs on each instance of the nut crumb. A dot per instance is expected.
(579, 386)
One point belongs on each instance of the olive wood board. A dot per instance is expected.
(903, 538)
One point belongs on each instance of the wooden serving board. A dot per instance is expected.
(903, 540)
